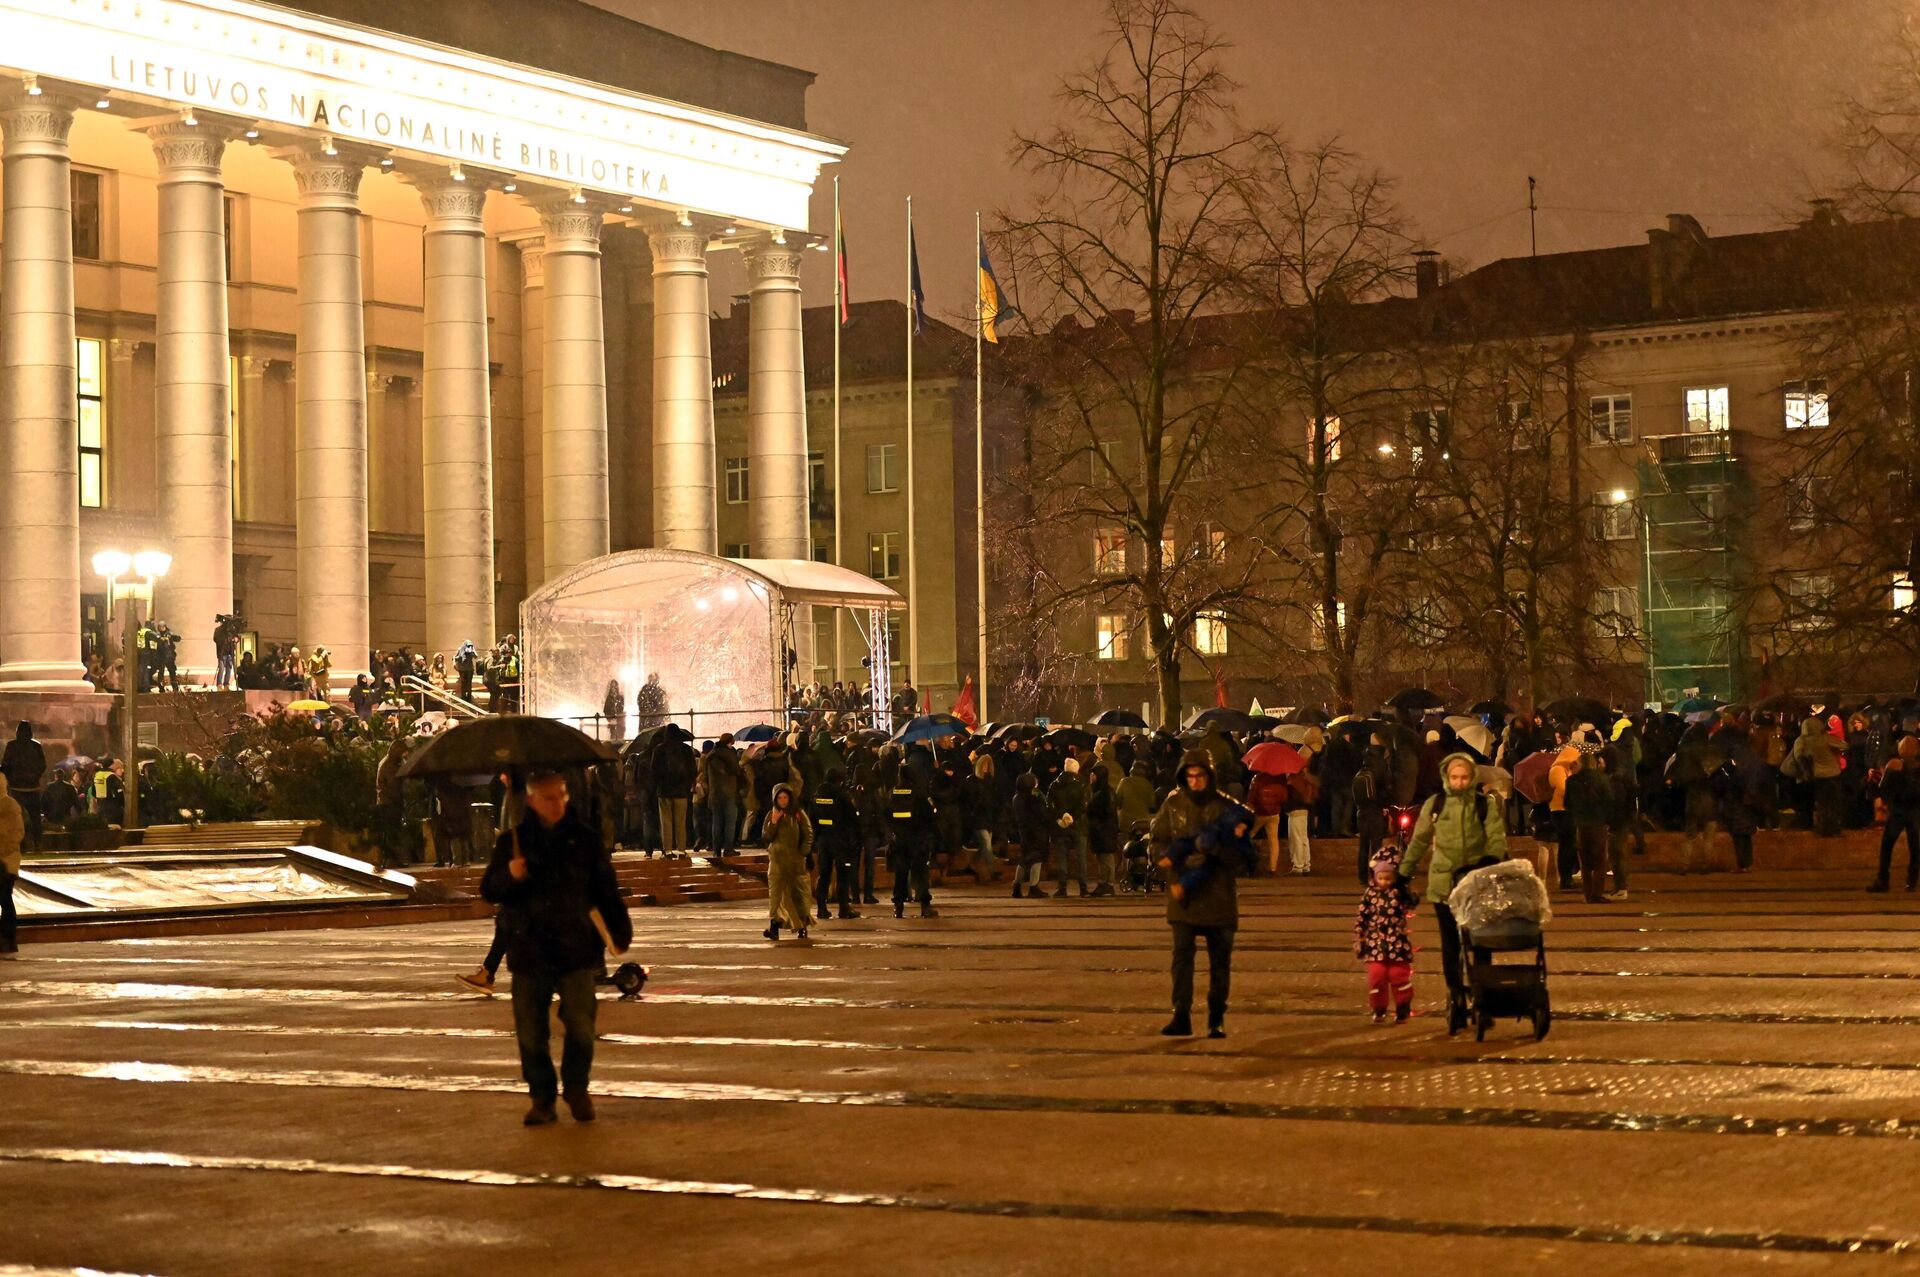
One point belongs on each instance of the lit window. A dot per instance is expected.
(1616, 609)
(1110, 552)
(84, 189)
(1610, 419)
(1428, 425)
(736, 476)
(1614, 520)
(1806, 404)
(883, 467)
(1903, 593)
(90, 383)
(1707, 410)
(1210, 633)
(883, 556)
(1213, 543)
(896, 645)
(1169, 552)
(1316, 624)
(1330, 429)
(1110, 637)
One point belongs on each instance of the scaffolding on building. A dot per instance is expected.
(1692, 492)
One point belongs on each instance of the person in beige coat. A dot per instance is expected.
(13, 831)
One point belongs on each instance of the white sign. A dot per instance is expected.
(291, 70)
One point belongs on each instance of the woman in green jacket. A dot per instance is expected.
(1462, 831)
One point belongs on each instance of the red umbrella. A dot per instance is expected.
(1274, 758)
(1530, 775)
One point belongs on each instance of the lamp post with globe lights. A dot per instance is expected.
(142, 570)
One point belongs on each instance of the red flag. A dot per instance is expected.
(965, 707)
(840, 272)
(1219, 690)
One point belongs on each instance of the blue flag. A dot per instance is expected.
(913, 283)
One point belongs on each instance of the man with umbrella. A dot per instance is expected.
(555, 881)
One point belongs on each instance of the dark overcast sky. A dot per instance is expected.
(1624, 110)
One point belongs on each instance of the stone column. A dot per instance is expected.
(39, 458)
(777, 514)
(190, 391)
(533, 356)
(456, 420)
(330, 414)
(573, 398)
(682, 391)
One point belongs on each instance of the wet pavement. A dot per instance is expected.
(1732, 1083)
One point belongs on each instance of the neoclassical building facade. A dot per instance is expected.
(370, 333)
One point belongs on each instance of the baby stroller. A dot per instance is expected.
(1501, 909)
(1142, 874)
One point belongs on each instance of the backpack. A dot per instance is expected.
(1479, 807)
(1364, 790)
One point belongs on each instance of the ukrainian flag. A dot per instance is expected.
(993, 303)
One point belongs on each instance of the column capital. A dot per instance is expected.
(570, 225)
(38, 124)
(532, 270)
(189, 152)
(772, 263)
(328, 178)
(452, 205)
(677, 249)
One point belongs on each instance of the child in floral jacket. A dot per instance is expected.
(1381, 940)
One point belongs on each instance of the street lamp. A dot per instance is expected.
(148, 566)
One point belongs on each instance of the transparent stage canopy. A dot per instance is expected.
(714, 630)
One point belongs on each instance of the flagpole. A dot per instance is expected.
(979, 467)
(839, 309)
(913, 592)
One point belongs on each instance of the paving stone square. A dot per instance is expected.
(1732, 1084)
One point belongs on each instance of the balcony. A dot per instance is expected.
(1694, 448)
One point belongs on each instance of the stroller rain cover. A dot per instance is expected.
(1500, 893)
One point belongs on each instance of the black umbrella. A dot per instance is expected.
(1019, 731)
(1492, 709)
(1416, 698)
(1307, 716)
(652, 736)
(1119, 718)
(1579, 709)
(1227, 720)
(1266, 723)
(1071, 737)
(501, 741)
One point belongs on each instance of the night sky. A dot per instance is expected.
(1624, 110)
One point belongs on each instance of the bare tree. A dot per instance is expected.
(1505, 565)
(1843, 507)
(1322, 244)
(1129, 246)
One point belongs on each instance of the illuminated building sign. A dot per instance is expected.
(289, 70)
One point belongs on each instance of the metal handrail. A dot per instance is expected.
(441, 696)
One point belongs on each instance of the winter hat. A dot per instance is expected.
(1384, 860)
(1071, 766)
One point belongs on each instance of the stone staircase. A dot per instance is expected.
(644, 880)
(229, 836)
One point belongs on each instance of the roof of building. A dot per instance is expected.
(873, 346)
(573, 38)
(1681, 273)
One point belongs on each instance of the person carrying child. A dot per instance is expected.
(1381, 940)
(1198, 855)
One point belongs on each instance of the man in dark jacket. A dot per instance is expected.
(1900, 791)
(836, 845)
(1067, 802)
(550, 876)
(1212, 910)
(25, 766)
(675, 768)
